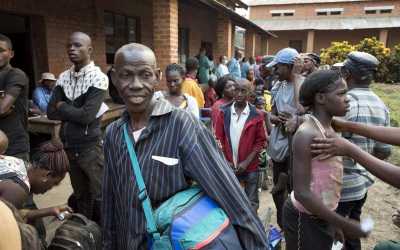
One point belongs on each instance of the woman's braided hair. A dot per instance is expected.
(52, 157)
(175, 67)
(321, 81)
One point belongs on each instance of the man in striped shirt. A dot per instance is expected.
(173, 149)
(367, 108)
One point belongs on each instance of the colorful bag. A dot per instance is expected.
(189, 219)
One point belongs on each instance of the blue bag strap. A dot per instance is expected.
(143, 197)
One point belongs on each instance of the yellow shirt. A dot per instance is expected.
(190, 87)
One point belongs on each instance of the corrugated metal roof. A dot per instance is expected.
(329, 24)
(279, 2)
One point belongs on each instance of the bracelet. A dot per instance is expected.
(23, 212)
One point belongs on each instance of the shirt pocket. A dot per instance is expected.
(168, 161)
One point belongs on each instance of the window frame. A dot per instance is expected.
(110, 56)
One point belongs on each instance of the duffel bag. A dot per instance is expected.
(77, 233)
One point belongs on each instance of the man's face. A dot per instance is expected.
(308, 64)
(5, 53)
(135, 77)
(241, 92)
(283, 71)
(48, 84)
(78, 48)
(252, 60)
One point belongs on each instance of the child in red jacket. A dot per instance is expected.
(240, 131)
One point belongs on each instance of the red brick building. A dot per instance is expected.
(174, 29)
(309, 25)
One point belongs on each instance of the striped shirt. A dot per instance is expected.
(173, 133)
(367, 108)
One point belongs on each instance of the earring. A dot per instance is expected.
(44, 179)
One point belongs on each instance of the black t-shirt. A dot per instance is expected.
(15, 83)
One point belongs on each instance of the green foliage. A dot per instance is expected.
(394, 65)
(389, 63)
(336, 53)
(376, 48)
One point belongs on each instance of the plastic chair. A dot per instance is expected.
(203, 118)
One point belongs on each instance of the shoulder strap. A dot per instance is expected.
(319, 125)
(143, 197)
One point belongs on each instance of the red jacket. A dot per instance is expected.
(253, 136)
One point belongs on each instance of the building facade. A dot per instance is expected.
(310, 25)
(173, 29)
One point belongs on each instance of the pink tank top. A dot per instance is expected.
(326, 179)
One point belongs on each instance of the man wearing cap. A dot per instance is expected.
(285, 108)
(234, 66)
(311, 63)
(365, 107)
(42, 94)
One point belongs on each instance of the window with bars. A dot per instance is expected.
(119, 30)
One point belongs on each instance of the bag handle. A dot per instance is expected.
(81, 218)
(143, 197)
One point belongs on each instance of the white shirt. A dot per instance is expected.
(236, 128)
(137, 133)
(222, 70)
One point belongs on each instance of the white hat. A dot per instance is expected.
(48, 76)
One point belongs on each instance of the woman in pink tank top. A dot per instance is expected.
(309, 218)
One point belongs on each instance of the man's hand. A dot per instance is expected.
(56, 211)
(284, 116)
(59, 104)
(297, 67)
(36, 111)
(352, 230)
(291, 125)
(333, 146)
(339, 235)
(339, 125)
(396, 218)
(241, 167)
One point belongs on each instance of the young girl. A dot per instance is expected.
(309, 216)
(175, 75)
(46, 170)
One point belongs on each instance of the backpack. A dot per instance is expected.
(78, 233)
(189, 219)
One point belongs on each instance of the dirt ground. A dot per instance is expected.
(382, 202)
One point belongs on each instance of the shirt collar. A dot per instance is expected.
(245, 111)
(162, 107)
(83, 70)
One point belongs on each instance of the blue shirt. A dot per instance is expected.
(173, 133)
(234, 68)
(245, 67)
(41, 97)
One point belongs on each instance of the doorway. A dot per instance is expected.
(17, 28)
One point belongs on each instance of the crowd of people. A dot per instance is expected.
(284, 105)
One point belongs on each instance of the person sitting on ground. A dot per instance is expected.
(190, 85)
(222, 69)
(47, 169)
(317, 184)
(41, 95)
(224, 89)
(240, 132)
(175, 75)
(260, 104)
(310, 64)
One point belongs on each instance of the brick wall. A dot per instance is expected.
(276, 44)
(351, 9)
(202, 25)
(393, 38)
(257, 49)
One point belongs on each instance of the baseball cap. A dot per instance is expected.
(258, 59)
(266, 59)
(358, 62)
(284, 56)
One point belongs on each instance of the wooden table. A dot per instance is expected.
(44, 125)
(52, 127)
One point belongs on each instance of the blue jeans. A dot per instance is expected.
(250, 180)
